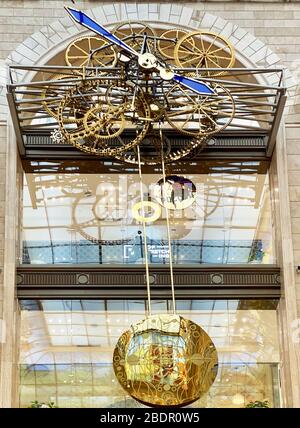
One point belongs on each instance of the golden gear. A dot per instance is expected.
(105, 122)
(116, 95)
(204, 49)
(80, 53)
(77, 101)
(132, 33)
(152, 141)
(200, 115)
(81, 108)
(169, 155)
(166, 46)
(53, 94)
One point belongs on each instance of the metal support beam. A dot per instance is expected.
(209, 154)
(275, 126)
(216, 293)
(258, 107)
(16, 123)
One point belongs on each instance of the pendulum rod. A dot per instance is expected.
(144, 233)
(167, 220)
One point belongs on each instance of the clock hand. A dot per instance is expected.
(194, 85)
(84, 20)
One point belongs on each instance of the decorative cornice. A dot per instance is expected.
(86, 280)
(243, 146)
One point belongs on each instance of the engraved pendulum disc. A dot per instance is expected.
(165, 360)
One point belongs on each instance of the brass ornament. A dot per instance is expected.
(165, 360)
(53, 94)
(202, 50)
(95, 107)
(105, 121)
(90, 123)
(153, 156)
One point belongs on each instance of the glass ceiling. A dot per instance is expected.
(61, 331)
(79, 217)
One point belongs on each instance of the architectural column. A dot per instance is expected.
(288, 308)
(9, 307)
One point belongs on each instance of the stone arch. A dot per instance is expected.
(41, 46)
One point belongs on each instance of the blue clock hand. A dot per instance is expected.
(84, 20)
(194, 85)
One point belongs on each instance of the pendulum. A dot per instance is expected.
(165, 360)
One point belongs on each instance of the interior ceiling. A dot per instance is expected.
(49, 335)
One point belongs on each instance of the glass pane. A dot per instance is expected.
(67, 347)
(80, 218)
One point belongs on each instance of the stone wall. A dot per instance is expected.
(277, 24)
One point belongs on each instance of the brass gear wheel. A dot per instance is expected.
(80, 53)
(199, 116)
(167, 41)
(53, 94)
(92, 125)
(170, 155)
(132, 33)
(204, 49)
(107, 123)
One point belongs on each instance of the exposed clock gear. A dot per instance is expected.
(89, 123)
(90, 51)
(203, 50)
(115, 96)
(134, 32)
(167, 42)
(199, 115)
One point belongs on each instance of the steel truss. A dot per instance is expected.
(258, 104)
